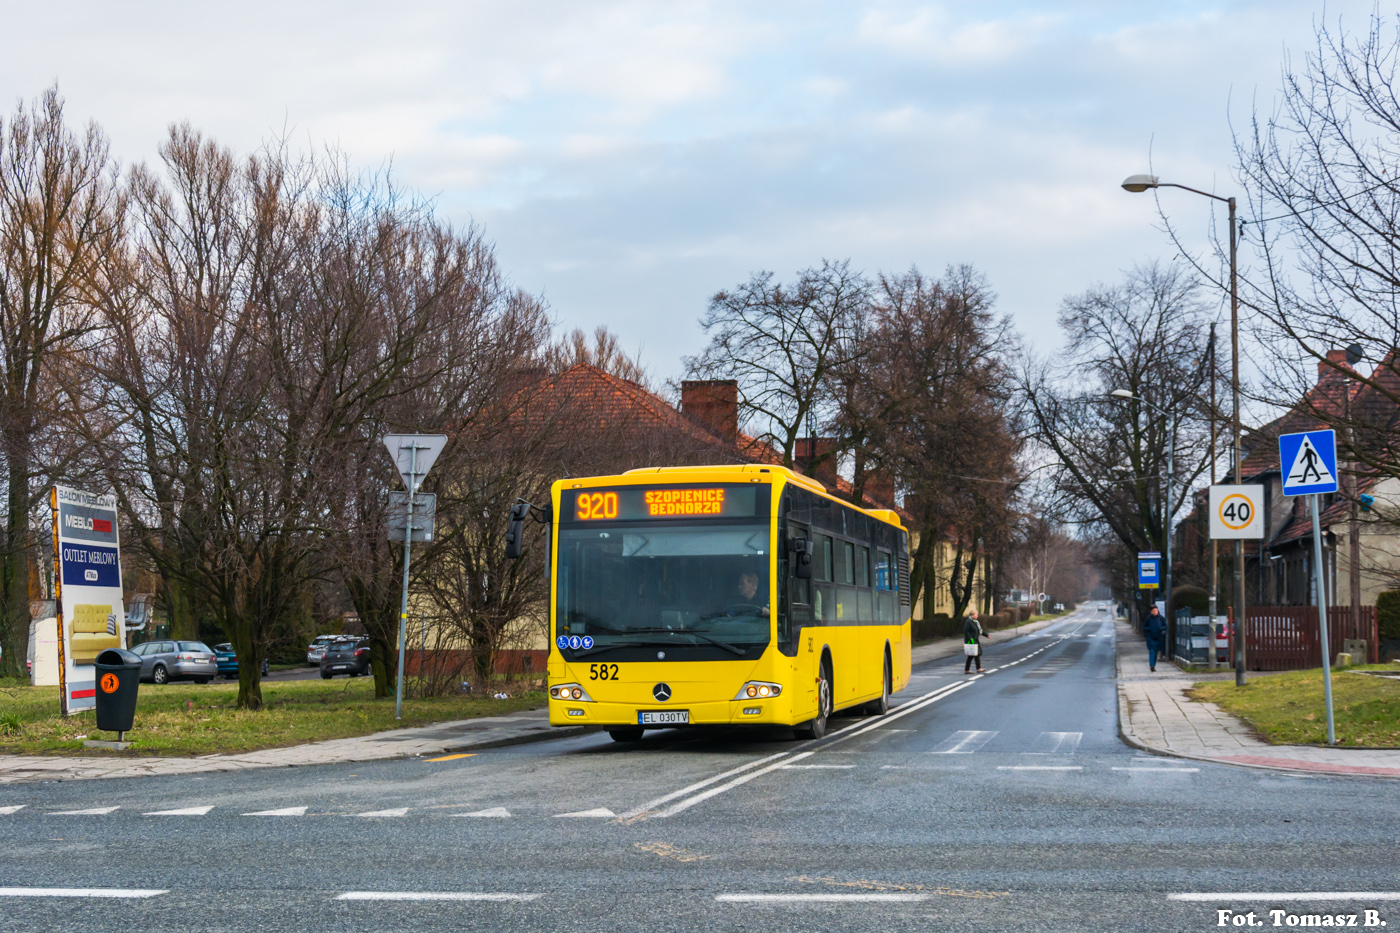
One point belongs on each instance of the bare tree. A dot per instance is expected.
(56, 215)
(782, 344)
(1147, 335)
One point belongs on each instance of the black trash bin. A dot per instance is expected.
(118, 676)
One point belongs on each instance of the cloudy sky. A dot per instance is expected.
(631, 158)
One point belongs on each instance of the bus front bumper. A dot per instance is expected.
(721, 713)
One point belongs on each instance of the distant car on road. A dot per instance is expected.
(227, 661)
(347, 656)
(317, 650)
(163, 661)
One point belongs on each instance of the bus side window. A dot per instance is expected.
(796, 606)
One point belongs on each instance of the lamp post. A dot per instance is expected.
(1138, 184)
(1166, 513)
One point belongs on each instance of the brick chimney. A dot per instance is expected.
(1335, 357)
(879, 489)
(804, 453)
(714, 405)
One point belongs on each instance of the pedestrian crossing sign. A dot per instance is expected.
(1309, 462)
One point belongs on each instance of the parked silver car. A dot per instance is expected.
(317, 650)
(163, 661)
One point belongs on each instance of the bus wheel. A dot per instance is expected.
(881, 706)
(626, 735)
(816, 728)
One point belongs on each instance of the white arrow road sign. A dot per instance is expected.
(401, 448)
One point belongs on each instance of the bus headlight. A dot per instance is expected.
(571, 692)
(758, 690)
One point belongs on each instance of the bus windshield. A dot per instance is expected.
(665, 584)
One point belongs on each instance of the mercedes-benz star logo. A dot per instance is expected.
(662, 692)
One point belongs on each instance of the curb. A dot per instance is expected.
(529, 738)
(1129, 739)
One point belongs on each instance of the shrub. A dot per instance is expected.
(1388, 615)
(1193, 597)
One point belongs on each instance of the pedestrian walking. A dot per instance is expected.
(972, 642)
(1155, 628)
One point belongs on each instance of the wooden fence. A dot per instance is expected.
(1287, 638)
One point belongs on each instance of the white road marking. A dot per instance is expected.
(80, 892)
(963, 743)
(689, 802)
(184, 811)
(701, 785)
(434, 896)
(914, 706)
(873, 897)
(1040, 767)
(285, 811)
(1057, 743)
(489, 814)
(815, 767)
(95, 811)
(595, 813)
(396, 811)
(1228, 897)
(1160, 770)
(6, 811)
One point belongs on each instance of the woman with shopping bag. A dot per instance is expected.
(972, 641)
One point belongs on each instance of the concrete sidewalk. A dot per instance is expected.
(946, 647)
(1155, 714)
(442, 738)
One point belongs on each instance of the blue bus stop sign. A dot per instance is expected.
(1149, 566)
(1309, 462)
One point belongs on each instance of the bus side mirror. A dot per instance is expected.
(801, 550)
(515, 534)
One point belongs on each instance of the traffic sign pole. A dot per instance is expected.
(1320, 576)
(403, 603)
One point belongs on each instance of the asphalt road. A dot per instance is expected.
(1002, 802)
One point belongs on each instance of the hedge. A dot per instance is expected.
(1388, 615)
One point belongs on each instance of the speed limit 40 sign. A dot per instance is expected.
(1236, 512)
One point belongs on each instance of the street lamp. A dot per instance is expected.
(1166, 512)
(1138, 184)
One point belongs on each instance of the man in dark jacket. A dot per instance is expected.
(1155, 628)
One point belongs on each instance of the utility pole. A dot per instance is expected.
(1214, 545)
(1241, 617)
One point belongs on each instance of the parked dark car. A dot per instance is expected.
(163, 661)
(227, 660)
(346, 656)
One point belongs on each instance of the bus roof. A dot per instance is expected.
(718, 472)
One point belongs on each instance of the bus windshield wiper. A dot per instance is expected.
(698, 634)
(617, 644)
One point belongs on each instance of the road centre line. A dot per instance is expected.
(434, 896)
(701, 797)
(6, 811)
(874, 897)
(815, 767)
(95, 811)
(700, 785)
(1160, 770)
(1040, 767)
(81, 892)
(1364, 896)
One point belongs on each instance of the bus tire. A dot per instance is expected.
(816, 728)
(881, 706)
(632, 734)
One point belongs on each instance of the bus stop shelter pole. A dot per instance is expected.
(1320, 575)
(403, 604)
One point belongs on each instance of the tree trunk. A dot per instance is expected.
(14, 569)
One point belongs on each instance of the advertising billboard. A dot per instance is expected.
(87, 557)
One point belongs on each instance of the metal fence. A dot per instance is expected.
(1193, 638)
(1288, 638)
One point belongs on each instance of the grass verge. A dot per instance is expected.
(1287, 708)
(191, 719)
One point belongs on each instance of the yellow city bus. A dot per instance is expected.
(730, 595)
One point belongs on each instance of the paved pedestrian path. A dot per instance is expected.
(437, 739)
(1155, 714)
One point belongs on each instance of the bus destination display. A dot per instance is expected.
(631, 503)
